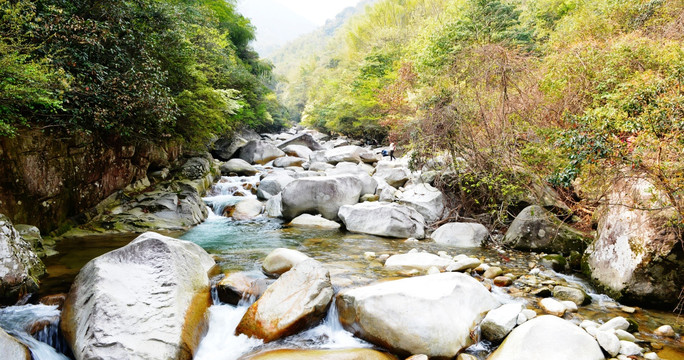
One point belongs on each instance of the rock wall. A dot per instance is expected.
(46, 178)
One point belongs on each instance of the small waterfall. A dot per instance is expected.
(329, 334)
(48, 343)
(230, 190)
(221, 341)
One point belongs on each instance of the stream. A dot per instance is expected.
(241, 245)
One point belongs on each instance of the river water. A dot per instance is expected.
(241, 245)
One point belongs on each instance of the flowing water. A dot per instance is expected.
(241, 245)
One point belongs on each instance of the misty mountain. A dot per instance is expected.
(275, 24)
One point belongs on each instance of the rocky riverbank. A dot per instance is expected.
(516, 301)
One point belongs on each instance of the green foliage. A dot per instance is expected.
(574, 92)
(28, 85)
(140, 70)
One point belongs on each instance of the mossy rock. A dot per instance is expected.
(536, 229)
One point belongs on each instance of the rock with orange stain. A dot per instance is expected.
(296, 301)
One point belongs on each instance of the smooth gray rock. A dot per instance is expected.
(297, 300)
(274, 206)
(548, 337)
(300, 151)
(575, 295)
(432, 315)
(383, 219)
(146, 300)
(303, 139)
(20, 267)
(464, 235)
(225, 147)
(272, 185)
(288, 161)
(536, 229)
(427, 200)
(320, 195)
(238, 166)
(259, 152)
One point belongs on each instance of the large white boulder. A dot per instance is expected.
(288, 161)
(246, 209)
(314, 221)
(273, 184)
(426, 199)
(548, 337)
(416, 260)
(259, 152)
(322, 195)
(383, 219)
(385, 191)
(432, 315)
(302, 139)
(20, 267)
(300, 151)
(369, 184)
(637, 255)
(392, 172)
(238, 166)
(350, 153)
(465, 235)
(296, 301)
(146, 300)
(536, 229)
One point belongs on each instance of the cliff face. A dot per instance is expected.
(47, 178)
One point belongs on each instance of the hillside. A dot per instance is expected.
(568, 94)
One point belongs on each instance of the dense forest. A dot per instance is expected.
(568, 93)
(141, 71)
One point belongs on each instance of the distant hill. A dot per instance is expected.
(275, 24)
(291, 55)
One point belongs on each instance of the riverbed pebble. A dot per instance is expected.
(493, 272)
(628, 309)
(624, 335)
(570, 306)
(629, 348)
(462, 263)
(552, 306)
(577, 296)
(665, 331)
(608, 342)
(651, 356)
(615, 323)
(502, 281)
